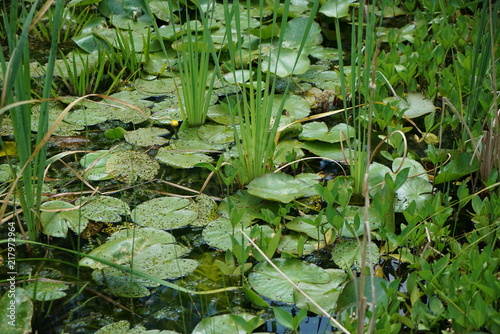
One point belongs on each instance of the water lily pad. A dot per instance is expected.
(104, 209)
(95, 166)
(119, 251)
(44, 291)
(415, 190)
(216, 133)
(118, 283)
(336, 8)
(217, 233)
(23, 312)
(282, 187)
(416, 105)
(326, 295)
(206, 208)
(226, 324)
(285, 62)
(151, 235)
(163, 261)
(164, 213)
(290, 243)
(129, 166)
(61, 217)
(123, 327)
(319, 131)
(347, 254)
(269, 283)
(147, 136)
(299, 224)
(326, 150)
(181, 159)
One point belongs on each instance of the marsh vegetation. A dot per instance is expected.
(294, 166)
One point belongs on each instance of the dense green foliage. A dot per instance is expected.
(231, 167)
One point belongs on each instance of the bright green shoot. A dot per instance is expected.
(16, 90)
(195, 48)
(253, 104)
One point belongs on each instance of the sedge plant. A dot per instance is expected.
(195, 50)
(253, 103)
(15, 96)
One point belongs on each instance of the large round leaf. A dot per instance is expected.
(105, 209)
(23, 312)
(129, 166)
(282, 187)
(416, 105)
(58, 216)
(181, 159)
(225, 324)
(164, 213)
(217, 233)
(269, 283)
(415, 190)
(326, 295)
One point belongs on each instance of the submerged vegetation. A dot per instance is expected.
(293, 166)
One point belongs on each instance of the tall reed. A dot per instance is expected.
(253, 104)
(195, 50)
(17, 88)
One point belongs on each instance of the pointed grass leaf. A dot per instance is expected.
(61, 217)
(268, 282)
(164, 213)
(283, 317)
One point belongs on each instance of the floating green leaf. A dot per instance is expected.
(45, 290)
(269, 283)
(326, 295)
(416, 105)
(58, 216)
(16, 310)
(104, 209)
(147, 136)
(319, 131)
(181, 159)
(347, 254)
(164, 213)
(226, 324)
(129, 166)
(282, 187)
